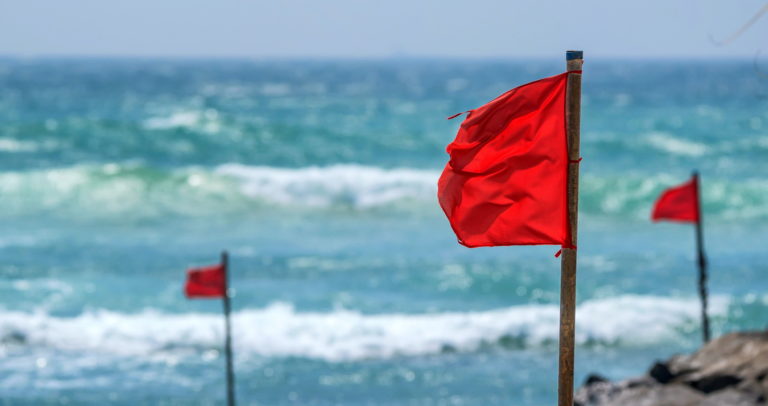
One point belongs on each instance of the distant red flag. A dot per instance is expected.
(505, 183)
(206, 282)
(679, 203)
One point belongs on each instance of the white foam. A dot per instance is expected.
(676, 146)
(204, 120)
(113, 191)
(14, 145)
(343, 335)
(356, 186)
(128, 191)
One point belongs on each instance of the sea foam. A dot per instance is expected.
(204, 120)
(676, 146)
(348, 185)
(130, 191)
(279, 330)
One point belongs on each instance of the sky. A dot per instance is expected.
(380, 29)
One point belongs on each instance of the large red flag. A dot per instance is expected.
(505, 183)
(679, 203)
(206, 282)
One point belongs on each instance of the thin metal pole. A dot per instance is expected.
(228, 339)
(574, 61)
(702, 262)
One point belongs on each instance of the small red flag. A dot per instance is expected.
(679, 203)
(505, 183)
(206, 282)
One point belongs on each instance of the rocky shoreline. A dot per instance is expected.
(730, 370)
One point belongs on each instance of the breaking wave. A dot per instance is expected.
(204, 120)
(349, 185)
(676, 146)
(131, 191)
(344, 335)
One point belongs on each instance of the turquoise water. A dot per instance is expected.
(320, 177)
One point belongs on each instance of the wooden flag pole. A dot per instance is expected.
(228, 339)
(702, 261)
(574, 61)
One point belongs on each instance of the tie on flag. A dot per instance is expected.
(679, 203)
(506, 180)
(206, 282)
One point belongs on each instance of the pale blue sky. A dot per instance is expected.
(363, 29)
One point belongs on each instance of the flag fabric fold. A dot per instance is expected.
(506, 180)
(206, 282)
(679, 203)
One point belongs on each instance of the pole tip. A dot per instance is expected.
(571, 55)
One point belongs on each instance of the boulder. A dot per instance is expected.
(731, 370)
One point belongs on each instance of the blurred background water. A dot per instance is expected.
(320, 177)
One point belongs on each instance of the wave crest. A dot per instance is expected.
(129, 192)
(338, 185)
(344, 335)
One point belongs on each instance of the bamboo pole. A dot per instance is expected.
(228, 339)
(574, 61)
(702, 262)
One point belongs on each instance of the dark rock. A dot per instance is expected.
(715, 383)
(594, 378)
(661, 373)
(635, 384)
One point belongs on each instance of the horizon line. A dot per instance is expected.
(373, 58)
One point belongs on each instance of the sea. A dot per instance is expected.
(318, 177)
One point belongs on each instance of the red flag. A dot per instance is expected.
(679, 203)
(206, 282)
(505, 183)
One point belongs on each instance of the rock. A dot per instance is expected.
(661, 373)
(665, 395)
(732, 397)
(597, 393)
(736, 354)
(732, 370)
(710, 384)
(594, 378)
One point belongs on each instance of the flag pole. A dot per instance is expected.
(228, 339)
(702, 261)
(574, 61)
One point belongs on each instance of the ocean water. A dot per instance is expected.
(319, 177)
